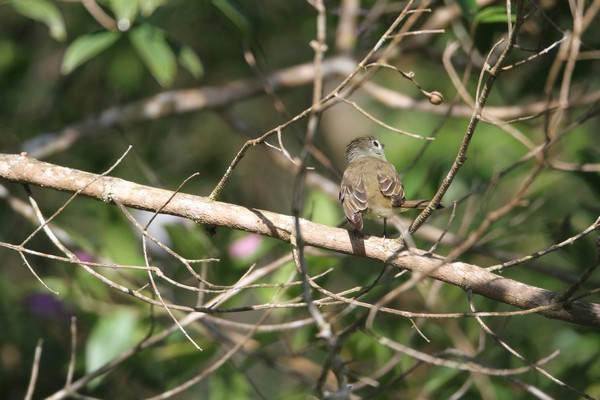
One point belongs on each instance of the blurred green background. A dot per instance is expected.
(171, 45)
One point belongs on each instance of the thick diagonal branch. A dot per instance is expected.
(18, 168)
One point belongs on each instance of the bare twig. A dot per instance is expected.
(535, 366)
(554, 247)
(493, 73)
(35, 369)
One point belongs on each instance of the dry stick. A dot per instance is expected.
(380, 122)
(534, 56)
(495, 215)
(434, 97)
(62, 208)
(72, 358)
(30, 267)
(462, 153)
(87, 266)
(391, 365)
(445, 230)
(585, 276)
(277, 104)
(153, 340)
(325, 102)
(325, 331)
(212, 97)
(207, 371)
(538, 393)
(567, 55)
(71, 389)
(345, 36)
(168, 250)
(100, 15)
(73, 257)
(54, 239)
(486, 116)
(237, 347)
(34, 369)
(284, 113)
(147, 261)
(531, 154)
(573, 167)
(22, 169)
(160, 298)
(512, 113)
(374, 50)
(396, 39)
(21, 249)
(410, 314)
(334, 362)
(470, 366)
(178, 102)
(251, 143)
(462, 390)
(319, 46)
(265, 328)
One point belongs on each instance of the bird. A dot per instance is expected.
(371, 187)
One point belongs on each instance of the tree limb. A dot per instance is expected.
(23, 169)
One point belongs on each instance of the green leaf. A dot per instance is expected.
(322, 209)
(113, 334)
(155, 52)
(43, 11)
(469, 8)
(491, 15)
(147, 7)
(191, 62)
(86, 47)
(190, 243)
(232, 11)
(228, 384)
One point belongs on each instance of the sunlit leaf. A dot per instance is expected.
(112, 334)
(43, 11)
(191, 62)
(119, 244)
(190, 243)
(147, 7)
(492, 14)
(153, 49)
(322, 209)
(86, 47)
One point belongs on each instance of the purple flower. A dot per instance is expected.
(47, 306)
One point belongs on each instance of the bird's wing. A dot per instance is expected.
(353, 197)
(390, 184)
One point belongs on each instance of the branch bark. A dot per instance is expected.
(23, 169)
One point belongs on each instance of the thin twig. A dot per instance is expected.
(35, 368)
(461, 157)
(540, 253)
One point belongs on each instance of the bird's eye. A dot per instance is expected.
(377, 144)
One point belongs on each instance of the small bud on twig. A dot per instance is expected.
(436, 98)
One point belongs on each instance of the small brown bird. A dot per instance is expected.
(371, 187)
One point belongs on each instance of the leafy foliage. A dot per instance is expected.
(91, 90)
